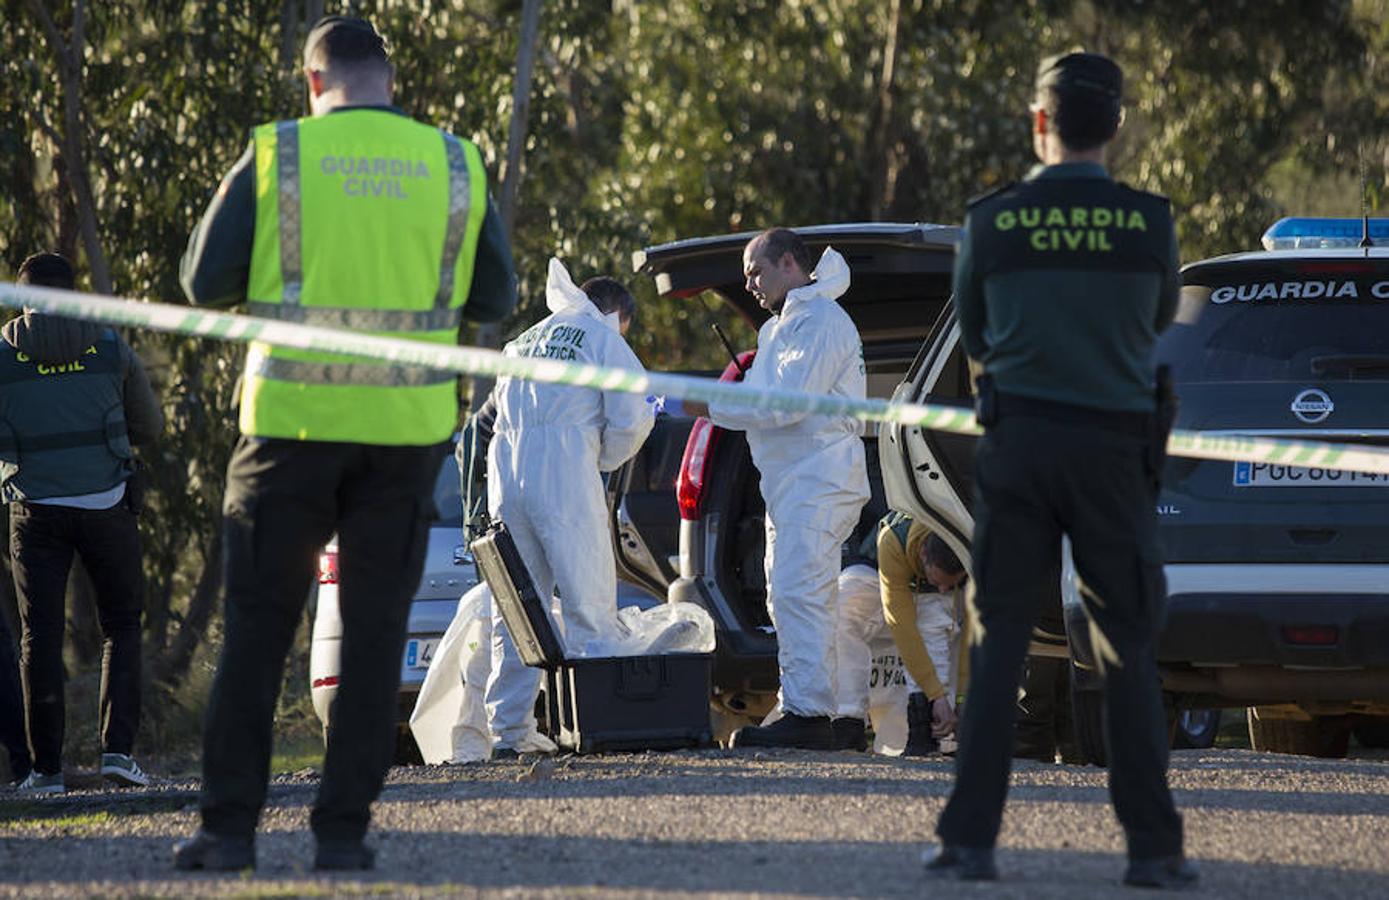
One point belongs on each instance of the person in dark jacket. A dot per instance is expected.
(74, 399)
(1062, 283)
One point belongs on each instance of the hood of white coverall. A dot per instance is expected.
(563, 295)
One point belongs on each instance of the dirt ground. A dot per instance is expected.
(724, 823)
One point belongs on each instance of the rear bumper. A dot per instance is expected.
(1247, 629)
(743, 661)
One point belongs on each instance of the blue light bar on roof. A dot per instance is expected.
(1308, 233)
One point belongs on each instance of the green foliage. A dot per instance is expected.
(1224, 92)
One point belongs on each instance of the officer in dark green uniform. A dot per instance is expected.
(1062, 284)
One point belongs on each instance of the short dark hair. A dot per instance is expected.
(1083, 119)
(776, 242)
(47, 270)
(937, 553)
(610, 296)
(344, 42)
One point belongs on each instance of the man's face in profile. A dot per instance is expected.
(767, 280)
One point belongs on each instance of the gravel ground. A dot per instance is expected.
(719, 822)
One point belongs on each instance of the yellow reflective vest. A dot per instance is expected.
(365, 220)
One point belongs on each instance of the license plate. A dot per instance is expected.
(1252, 474)
(420, 653)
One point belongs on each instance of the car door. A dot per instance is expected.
(929, 474)
(642, 505)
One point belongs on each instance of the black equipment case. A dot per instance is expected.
(599, 704)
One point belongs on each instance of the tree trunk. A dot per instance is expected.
(289, 36)
(882, 184)
(520, 114)
(71, 140)
(69, 220)
(490, 334)
(171, 667)
(293, 14)
(158, 603)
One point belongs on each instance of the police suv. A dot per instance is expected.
(1278, 575)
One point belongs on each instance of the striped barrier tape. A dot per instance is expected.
(196, 322)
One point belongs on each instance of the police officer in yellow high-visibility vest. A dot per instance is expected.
(360, 218)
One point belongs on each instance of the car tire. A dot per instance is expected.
(1373, 732)
(1189, 729)
(1327, 737)
(1087, 721)
(1195, 729)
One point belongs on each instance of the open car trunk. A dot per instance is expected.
(710, 548)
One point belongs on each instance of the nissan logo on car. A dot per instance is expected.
(1312, 406)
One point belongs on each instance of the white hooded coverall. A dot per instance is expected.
(549, 445)
(813, 476)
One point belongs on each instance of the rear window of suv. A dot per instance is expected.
(1323, 321)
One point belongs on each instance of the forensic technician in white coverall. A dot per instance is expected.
(813, 476)
(900, 636)
(549, 444)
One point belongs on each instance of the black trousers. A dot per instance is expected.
(284, 500)
(12, 735)
(1037, 478)
(43, 540)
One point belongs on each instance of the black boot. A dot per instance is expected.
(961, 863)
(1171, 873)
(350, 856)
(849, 734)
(215, 853)
(791, 730)
(920, 741)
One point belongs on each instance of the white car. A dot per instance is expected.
(448, 574)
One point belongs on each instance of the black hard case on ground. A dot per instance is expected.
(597, 704)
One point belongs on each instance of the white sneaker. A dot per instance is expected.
(42, 784)
(122, 770)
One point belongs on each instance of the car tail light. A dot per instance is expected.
(694, 467)
(1311, 635)
(328, 567)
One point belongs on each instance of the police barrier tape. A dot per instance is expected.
(195, 322)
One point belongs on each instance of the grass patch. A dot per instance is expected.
(296, 752)
(105, 808)
(81, 820)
